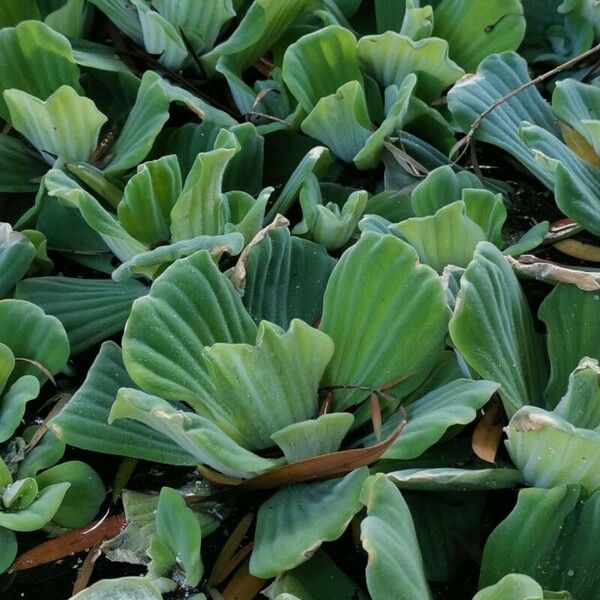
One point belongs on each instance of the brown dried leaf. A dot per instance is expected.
(579, 250)
(488, 432)
(326, 466)
(72, 542)
(243, 586)
(229, 549)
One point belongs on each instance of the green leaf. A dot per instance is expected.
(84, 496)
(13, 402)
(395, 567)
(296, 520)
(572, 318)
(442, 186)
(306, 439)
(463, 480)
(21, 166)
(12, 13)
(90, 310)
(121, 14)
(319, 63)
(530, 240)
(476, 29)
(385, 314)
(315, 579)
(498, 75)
(390, 57)
(492, 327)
(201, 208)
(282, 369)
(514, 586)
(33, 335)
(549, 451)
(179, 529)
(580, 405)
(35, 59)
(148, 199)
(16, 255)
(455, 403)
(122, 588)
(190, 306)
(487, 210)
(39, 512)
(328, 225)
(193, 433)
(286, 279)
(46, 453)
(576, 183)
(147, 117)
(161, 38)
(83, 422)
(105, 223)
(8, 548)
(550, 535)
(65, 126)
(153, 262)
(578, 104)
(341, 121)
(447, 238)
(20, 494)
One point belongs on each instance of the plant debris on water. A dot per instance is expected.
(300, 299)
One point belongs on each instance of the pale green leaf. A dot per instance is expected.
(395, 567)
(91, 310)
(580, 405)
(84, 497)
(65, 126)
(16, 256)
(572, 318)
(386, 315)
(39, 512)
(13, 402)
(514, 586)
(178, 528)
(448, 237)
(83, 422)
(463, 480)
(193, 433)
(306, 439)
(492, 327)
(320, 63)
(296, 520)
(390, 57)
(33, 335)
(190, 306)
(550, 536)
(123, 588)
(35, 59)
(475, 29)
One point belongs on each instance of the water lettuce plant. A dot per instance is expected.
(300, 299)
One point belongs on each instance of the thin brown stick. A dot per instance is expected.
(465, 141)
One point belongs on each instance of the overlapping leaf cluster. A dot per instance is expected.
(242, 239)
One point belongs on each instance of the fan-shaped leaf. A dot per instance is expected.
(379, 301)
(319, 63)
(286, 278)
(390, 57)
(572, 318)
(492, 327)
(90, 310)
(395, 567)
(296, 520)
(84, 496)
(447, 238)
(477, 29)
(549, 535)
(83, 422)
(196, 435)
(34, 336)
(35, 59)
(190, 306)
(66, 125)
(514, 586)
(122, 588)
